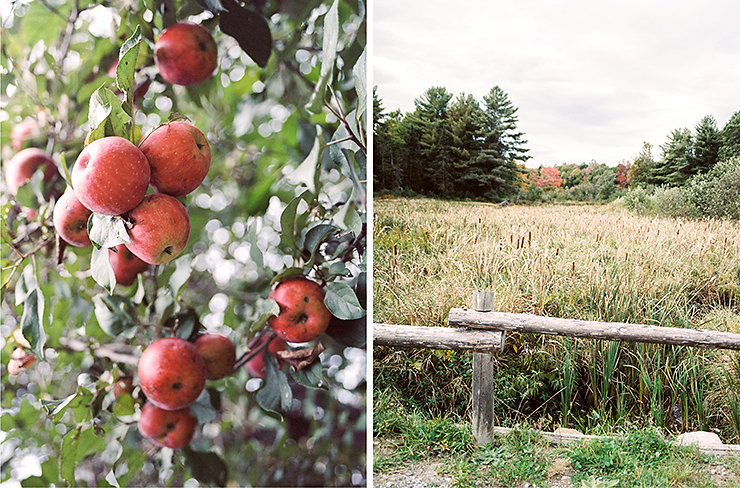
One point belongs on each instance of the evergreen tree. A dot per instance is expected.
(706, 145)
(730, 138)
(465, 126)
(427, 136)
(674, 168)
(502, 146)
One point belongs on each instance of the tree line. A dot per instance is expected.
(462, 148)
(459, 148)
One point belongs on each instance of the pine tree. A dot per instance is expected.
(465, 126)
(427, 136)
(730, 138)
(502, 146)
(706, 146)
(674, 168)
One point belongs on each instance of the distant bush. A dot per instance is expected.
(670, 201)
(712, 194)
(716, 193)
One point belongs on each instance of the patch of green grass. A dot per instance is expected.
(641, 458)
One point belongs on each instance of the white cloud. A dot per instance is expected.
(592, 80)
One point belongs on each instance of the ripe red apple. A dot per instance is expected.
(179, 156)
(160, 227)
(219, 354)
(185, 54)
(22, 131)
(23, 165)
(70, 219)
(111, 176)
(167, 428)
(303, 316)
(125, 265)
(171, 373)
(256, 365)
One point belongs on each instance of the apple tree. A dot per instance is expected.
(94, 327)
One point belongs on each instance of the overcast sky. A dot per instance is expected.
(592, 79)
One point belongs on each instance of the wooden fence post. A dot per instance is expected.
(483, 371)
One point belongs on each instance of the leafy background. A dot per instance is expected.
(285, 115)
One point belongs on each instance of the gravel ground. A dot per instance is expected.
(419, 474)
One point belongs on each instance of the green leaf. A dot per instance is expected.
(285, 275)
(101, 270)
(328, 57)
(124, 405)
(181, 275)
(185, 323)
(314, 237)
(269, 308)
(106, 116)
(32, 321)
(127, 65)
(115, 314)
(306, 172)
(342, 302)
(348, 218)
(275, 394)
(56, 408)
(202, 408)
(359, 72)
(30, 193)
(254, 251)
(64, 169)
(207, 467)
(68, 456)
(107, 230)
(312, 376)
(288, 220)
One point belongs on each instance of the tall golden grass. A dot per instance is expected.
(583, 262)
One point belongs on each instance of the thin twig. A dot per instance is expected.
(244, 359)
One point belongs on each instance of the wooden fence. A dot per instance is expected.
(482, 332)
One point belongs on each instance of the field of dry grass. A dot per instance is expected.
(583, 262)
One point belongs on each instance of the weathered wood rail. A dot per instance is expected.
(483, 333)
(612, 331)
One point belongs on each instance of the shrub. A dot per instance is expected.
(669, 201)
(716, 193)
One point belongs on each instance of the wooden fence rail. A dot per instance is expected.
(612, 331)
(483, 332)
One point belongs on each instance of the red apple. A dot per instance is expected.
(70, 219)
(160, 227)
(167, 428)
(111, 176)
(179, 156)
(303, 316)
(23, 165)
(125, 265)
(185, 54)
(171, 373)
(219, 354)
(22, 131)
(256, 365)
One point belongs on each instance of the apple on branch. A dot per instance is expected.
(111, 176)
(70, 219)
(303, 316)
(167, 428)
(172, 373)
(159, 228)
(179, 157)
(185, 54)
(219, 354)
(126, 266)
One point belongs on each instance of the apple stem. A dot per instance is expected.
(252, 353)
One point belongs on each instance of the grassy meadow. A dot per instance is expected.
(584, 262)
